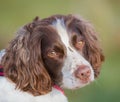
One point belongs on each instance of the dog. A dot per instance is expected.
(47, 55)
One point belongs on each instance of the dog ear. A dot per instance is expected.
(92, 50)
(23, 64)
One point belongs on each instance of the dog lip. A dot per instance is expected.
(86, 81)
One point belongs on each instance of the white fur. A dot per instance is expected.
(73, 60)
(2, 52)
(9, 94)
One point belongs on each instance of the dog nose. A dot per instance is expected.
(83, 72)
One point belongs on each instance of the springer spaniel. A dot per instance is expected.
(48, 55)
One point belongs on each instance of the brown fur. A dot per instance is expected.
(25, 62)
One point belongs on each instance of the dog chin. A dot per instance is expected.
(72, 85)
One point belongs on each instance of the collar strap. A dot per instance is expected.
(1, 66)
(1, 71)
(58, 88)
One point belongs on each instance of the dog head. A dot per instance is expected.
(62, 50)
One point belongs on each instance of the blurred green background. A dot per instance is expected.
(104, 14)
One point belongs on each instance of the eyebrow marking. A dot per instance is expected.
(61, 29)
(62, 32)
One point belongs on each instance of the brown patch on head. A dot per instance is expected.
(84, 38)
(53, 54)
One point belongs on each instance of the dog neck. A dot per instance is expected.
(55, 86)
(58, 88)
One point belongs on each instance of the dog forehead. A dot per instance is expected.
(62, 32)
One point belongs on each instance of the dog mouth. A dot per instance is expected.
(82, 84)
(77, 79)
(86, 81)
(73, 83)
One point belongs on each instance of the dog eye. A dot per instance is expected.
(79, 45)
(78, 42)
(52, 54)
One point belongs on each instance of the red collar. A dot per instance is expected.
(59, 88)
(1, 71)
